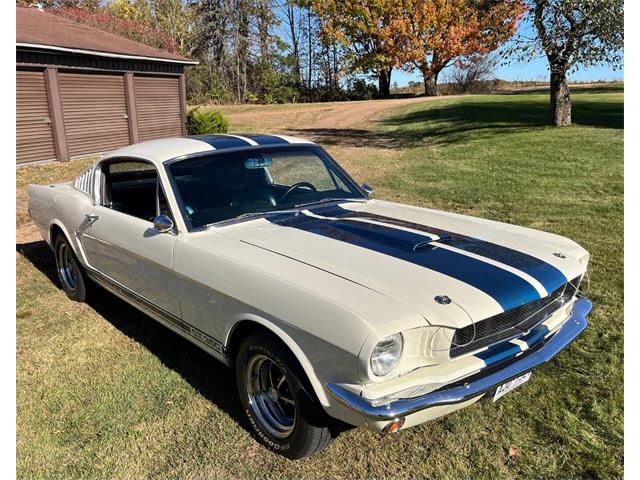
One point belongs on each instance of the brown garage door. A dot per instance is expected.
(34, 137)
(158, 107)
(95, 112)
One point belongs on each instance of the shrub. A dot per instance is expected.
(361, 90)
(203, 122)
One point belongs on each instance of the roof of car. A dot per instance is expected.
(164, 149)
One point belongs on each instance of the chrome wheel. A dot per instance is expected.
(67, 268)
(270, 396)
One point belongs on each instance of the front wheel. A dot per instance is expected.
(280, 406)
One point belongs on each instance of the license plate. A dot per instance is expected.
(505, 388)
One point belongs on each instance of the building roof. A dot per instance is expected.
(163, 149)
(38, 29)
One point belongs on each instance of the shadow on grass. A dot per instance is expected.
(615, 88)
(206, 375)
(471, 118)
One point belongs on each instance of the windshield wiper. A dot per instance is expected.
(284, 210)
(247, 215)
(327, 200)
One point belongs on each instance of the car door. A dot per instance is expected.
(119, 239)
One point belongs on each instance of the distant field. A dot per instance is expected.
(104, 392)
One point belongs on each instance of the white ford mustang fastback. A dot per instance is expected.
(333, 308)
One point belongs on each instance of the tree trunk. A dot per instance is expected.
(310, 45)
(295, 41)
(431, 84)
(384, 83)
(242, 47)
(560, 99)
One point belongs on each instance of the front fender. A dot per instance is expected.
(306, 365)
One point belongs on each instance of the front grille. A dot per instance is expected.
(511, 323)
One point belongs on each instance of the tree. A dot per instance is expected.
(470, 71)
(430, 35)
(171, 17)
(89, 5)
(572, 33)
(358, 25)
(138, 31)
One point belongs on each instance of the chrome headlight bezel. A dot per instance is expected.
(386, 355)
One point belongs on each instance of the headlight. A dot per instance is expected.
(386, 354)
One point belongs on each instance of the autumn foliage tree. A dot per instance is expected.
(430, 35)
(138, 31)
(360, 28)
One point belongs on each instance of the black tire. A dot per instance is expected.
(72, 277)
(309, 432)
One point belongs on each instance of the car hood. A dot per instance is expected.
(452, 269)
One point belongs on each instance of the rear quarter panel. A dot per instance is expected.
(62, 205)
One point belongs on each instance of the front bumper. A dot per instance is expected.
(477, 385)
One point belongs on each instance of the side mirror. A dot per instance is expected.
(162, 223)
(368, 189)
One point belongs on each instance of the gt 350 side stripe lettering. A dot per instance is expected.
(506, 288)
(549, 276)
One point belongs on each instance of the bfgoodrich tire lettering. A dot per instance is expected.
(295, 430)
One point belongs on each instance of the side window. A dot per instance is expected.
(130, 187)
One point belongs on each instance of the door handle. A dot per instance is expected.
(90, 217)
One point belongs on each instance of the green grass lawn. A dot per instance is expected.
(103, 391)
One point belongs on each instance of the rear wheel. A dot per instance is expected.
(72, 277)
(280, 405)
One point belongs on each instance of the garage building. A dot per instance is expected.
(82, 91)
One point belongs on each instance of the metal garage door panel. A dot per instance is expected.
(34, 136)
(95, 112)
(158, 107)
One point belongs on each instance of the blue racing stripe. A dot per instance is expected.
(221, 142)
(506, 288)
(266, 139)
(498, 352)
(534, 335)
(507, 349)
(549, 276)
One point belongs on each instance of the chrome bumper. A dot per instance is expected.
(452, 395)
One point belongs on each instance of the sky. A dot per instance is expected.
(536, 69)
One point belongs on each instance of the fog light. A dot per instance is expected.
(394, 426)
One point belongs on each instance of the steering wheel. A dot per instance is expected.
(295, 186)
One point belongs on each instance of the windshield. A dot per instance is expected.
(224, 186)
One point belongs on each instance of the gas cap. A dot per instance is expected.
(442, 299)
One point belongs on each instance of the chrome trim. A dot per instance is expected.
(67, 267)
(91, 217)
(269, 396)
(458, 394)
(163, 224)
